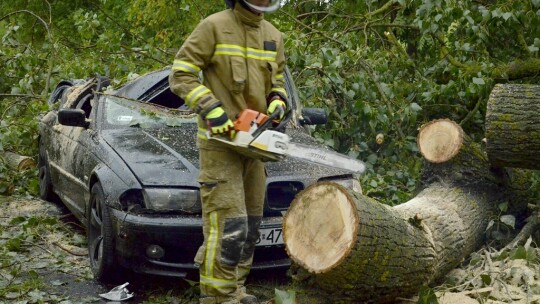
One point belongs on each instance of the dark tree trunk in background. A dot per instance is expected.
(513, 126)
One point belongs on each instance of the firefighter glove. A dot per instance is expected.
(219, 123)
(274, 104)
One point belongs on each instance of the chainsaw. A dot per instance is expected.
(256, 137)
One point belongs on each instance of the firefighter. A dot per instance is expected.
(233, 60)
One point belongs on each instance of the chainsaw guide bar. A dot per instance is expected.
(254, 139)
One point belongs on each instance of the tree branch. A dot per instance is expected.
(364, 26)
(22, 95)
(393, 40)
(383, 9)
(8, 107)
(519, 69)
(57, 244)
(523, 44)
(525, 233)
(144, 54)
(471, 113)
(446, 54)
(315, 30)
(49, 35)
(327, 13)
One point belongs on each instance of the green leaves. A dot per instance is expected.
(376, 74)
(427, 296)
(478, 81)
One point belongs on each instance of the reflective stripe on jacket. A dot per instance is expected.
(241, 57)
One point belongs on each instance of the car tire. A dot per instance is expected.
(100, 237)
(46, 191)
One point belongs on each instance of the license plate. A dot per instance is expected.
(269, 237)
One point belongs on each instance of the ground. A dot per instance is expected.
(43, 260)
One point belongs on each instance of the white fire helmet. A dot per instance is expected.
(263, 6)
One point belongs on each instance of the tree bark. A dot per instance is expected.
(19, 162)
(513, 126)
(519, 69)
(397, 250)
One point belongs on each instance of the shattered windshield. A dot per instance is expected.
(122, 112)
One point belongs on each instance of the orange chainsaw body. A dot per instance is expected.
(247, 118)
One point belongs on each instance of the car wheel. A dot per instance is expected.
(45, 185)
(100, 237)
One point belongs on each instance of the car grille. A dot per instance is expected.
(279, 195)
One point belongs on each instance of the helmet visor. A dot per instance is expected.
(264, 6)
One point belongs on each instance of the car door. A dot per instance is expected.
(58, 156)
(68, 154)
(80, 159)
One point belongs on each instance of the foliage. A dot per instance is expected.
(427, 296)
(43, 43)
(386, 68)
(381, 69)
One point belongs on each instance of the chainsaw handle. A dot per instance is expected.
(282, 123)
(267, 123)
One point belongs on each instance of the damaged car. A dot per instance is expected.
(125, 163)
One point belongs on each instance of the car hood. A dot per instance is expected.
(169, 156)
(294, 167)
(158, 157)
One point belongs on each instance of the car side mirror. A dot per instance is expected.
(313, 116)
(73, 118)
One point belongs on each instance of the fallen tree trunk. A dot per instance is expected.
(513, 126)
(381, 252)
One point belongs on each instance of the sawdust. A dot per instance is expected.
(29, 207)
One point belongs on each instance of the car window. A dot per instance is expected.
(122, 112)
(165, 97)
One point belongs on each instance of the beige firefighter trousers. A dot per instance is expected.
(232, 192)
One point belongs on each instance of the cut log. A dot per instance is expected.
(439, 140)
(382, 252)
(19, 162)
(319, 222)
(513, 126)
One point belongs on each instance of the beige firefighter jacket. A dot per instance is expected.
(242, 60)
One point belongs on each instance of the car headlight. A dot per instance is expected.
(349, 183)
(171, 199)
